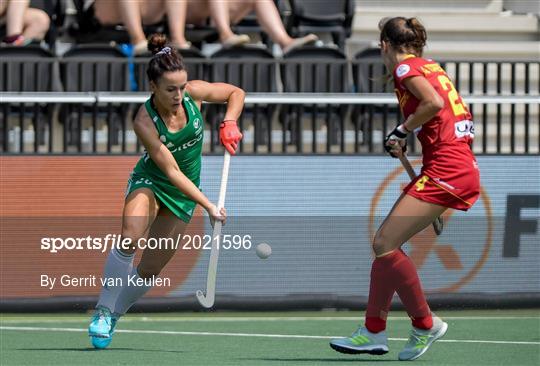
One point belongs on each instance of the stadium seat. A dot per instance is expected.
(55, 9)
(198, 34)
(250, 67)
(28, 69)
(87, 29)
(253, 69)
(94, 67)
(369, 72)
(329, 65)
(315, 70)
(322, 16)
(194, 60)
(370, 76)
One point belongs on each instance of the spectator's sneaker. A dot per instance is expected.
(16, 40)
(421, 339)
(362, 341)
(182, 46)
(299, 42)
(236, 40)
(141, 48)
(101, 327)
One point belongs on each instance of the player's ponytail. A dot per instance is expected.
(165, 57)
(404, 34)
(421, 35)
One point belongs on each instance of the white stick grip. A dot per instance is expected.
(208, 300)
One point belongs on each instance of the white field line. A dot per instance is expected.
(246, 319)
(248, 335)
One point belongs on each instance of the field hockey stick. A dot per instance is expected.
(208, 300)
(438, 224)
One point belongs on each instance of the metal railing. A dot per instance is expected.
(502, 95)
(340, 75)
(292, 123)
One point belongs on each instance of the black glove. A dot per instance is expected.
(399, 136)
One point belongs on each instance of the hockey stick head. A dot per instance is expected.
(206, 301)
(438, 225)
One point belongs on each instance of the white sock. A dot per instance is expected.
(130, 294)
(117, 268)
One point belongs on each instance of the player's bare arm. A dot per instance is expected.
(229, 133)
(147, 133)
(218, 93)
(430, 102)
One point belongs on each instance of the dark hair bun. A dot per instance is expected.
(404, 34)
(156, 42)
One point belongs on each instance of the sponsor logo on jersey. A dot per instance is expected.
(186, 145)
(443, 183)
(421, 183)
(191, 105)
(402, 70)
(173, 148)
(464, 128)
(432, 68)
(190, 143)
(143, 181)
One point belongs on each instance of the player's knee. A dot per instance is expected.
(43, 20)
(132, 229)
(381, 243)
(39, 20)
(149, 270)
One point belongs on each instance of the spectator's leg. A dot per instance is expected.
(222, 12)
(36, 24)
(270, 21)
(152, 12)
(15, 16)
(126, 12)
(176, 13)
(219, 12)
(197, 12)
(3, 7)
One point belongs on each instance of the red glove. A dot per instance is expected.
(229, 135)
